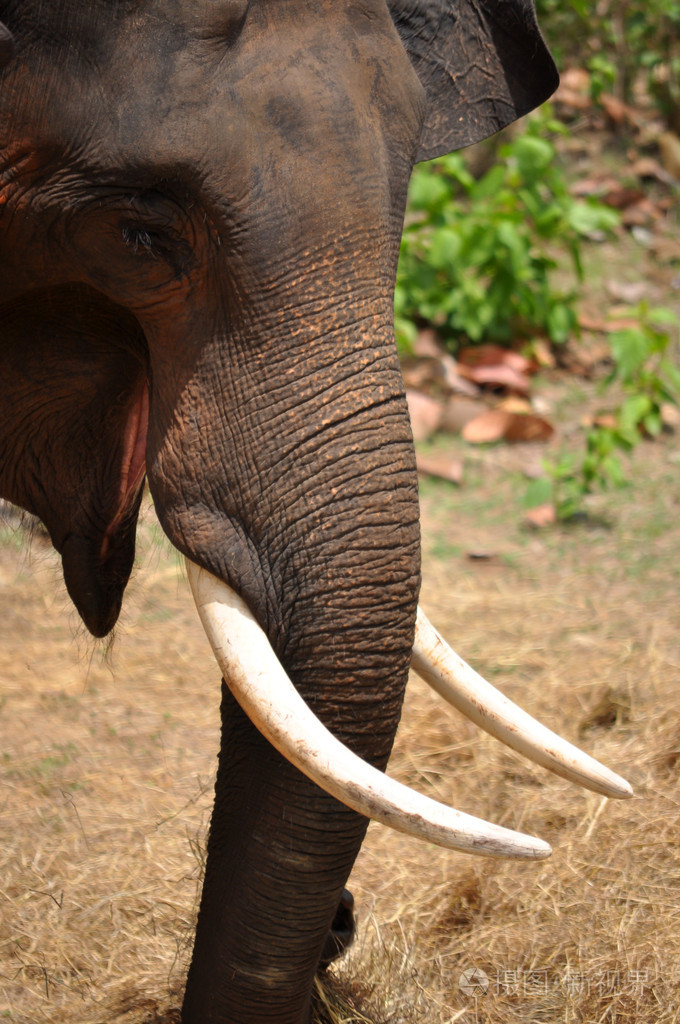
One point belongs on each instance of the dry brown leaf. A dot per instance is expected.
(438, 374)
(494, 366)
(627, 291)
(498, 375)
(459, 410)
(598, 186)
(501, 424)
(574, 89)
(515, 404)
(427, 344)
(543, 353)
(425, 413)
(421, 373)
(541, 516)
(442, 466)
(493, 355)
(620, 197)
(669, 148)
(647, 167)
(670, 416)
(666, 249)
(588, 323)
(617, 111)
(640, 214)
(606, 420)
(575, 78)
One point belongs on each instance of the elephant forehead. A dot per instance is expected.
(144, 81)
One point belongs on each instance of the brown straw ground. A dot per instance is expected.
(107, 755)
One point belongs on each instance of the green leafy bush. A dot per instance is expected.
(478, 256)
(648, 378)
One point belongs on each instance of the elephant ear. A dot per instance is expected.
(482, 63)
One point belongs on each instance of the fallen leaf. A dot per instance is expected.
(628, 291)
(498, 375)
(492, 355)
(574, 89)
(593, 186)
(543, 354)
(425, 413)
(606, 420)
(666, 249)
(515, 404)
(620, 197)
(432, 367)
(572, 100)
(587, 323)
(640, 214)
(501, 424)
(670, 416)
(541, 516)
(584, 359)
(669, 148)
(441, 466)
(427, 344)
(459, 410)
(616, 110)
(648, 167)
(455, 381)
(420, 373)
(576, 78)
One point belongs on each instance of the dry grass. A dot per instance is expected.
(106, 762)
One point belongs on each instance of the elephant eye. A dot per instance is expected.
(158, 245)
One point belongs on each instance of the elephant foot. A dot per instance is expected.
(341, 934)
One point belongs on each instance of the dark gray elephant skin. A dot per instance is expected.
(200, 211)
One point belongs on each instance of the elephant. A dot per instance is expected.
(200, 215)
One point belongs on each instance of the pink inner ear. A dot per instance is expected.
(133, 463)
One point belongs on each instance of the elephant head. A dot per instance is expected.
(200, 214)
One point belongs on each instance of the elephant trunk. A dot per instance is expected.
(305, 502)
(279, 853)
(280, 849)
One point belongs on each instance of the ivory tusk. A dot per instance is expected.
(262, 688)
(488, 708)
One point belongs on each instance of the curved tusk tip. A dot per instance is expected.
(542, 850)
(622, 789)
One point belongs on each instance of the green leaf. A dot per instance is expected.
(653, 423)
(560, 322)
(633, 412)
(538, 492)
(533, 155)
(630, 349)
(587, 218)
(444, 249)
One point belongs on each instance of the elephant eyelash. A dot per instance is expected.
(176, 252)
(146, 242)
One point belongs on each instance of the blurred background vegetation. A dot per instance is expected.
(557, 242)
